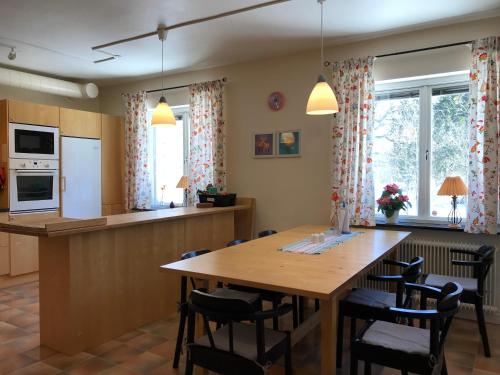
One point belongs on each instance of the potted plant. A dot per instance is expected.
(391, 201)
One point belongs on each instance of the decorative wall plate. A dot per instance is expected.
(276, 101)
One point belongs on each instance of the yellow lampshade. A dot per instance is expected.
(163, 115)
(322, 100)
(453, 186)
(183, 183)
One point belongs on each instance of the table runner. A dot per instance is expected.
(306, 246)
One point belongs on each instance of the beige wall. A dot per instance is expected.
(294, 191)
(7, 92)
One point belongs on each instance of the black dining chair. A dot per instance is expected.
(235, 347)
(235, 242)
(481, 262)
(407, 348)
(265, 233)
(363, 303)
(251, 298)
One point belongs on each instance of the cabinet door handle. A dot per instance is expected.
(63, 183)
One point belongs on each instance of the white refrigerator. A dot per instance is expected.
(81, 177)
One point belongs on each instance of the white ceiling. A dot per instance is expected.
(55, 36)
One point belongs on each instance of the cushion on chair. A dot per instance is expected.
(411, 340)
(236, 294)
(439, 281)
(245, 342)
(372, 298)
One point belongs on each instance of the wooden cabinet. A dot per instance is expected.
(24, 249)
(4, 248)
(75, 123)
(112, 154)
(31, 113)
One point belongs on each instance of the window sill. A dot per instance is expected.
(380, 223)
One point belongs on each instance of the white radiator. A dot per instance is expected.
(437, 259)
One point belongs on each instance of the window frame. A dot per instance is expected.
(180, 112)
(425, 85)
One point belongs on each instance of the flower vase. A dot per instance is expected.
(393, 219)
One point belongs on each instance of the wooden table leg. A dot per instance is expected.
(329, 317)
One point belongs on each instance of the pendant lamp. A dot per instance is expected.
(162, 115)
(322, 100)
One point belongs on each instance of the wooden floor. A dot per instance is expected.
(149, 350)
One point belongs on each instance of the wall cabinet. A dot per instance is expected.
(75, 123)
(24, 249)
(112, 156)
(31, 113)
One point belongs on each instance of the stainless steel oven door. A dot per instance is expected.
(33, 142)
(33, 190)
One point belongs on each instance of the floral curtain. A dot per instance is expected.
(137, 175)
(352, 138)
(484, 136)
(207, 163)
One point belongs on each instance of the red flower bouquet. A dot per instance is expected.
(392, 200)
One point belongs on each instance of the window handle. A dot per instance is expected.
(426, 154)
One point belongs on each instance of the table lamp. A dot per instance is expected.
(183, 184)
(453, 186)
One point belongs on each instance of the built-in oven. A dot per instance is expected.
(33, 185)
(33, 142)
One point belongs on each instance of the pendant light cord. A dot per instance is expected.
(162, 85)
(322, 58)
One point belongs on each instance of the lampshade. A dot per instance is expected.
(183, 183)
(453, 186)
(163, 115)
(322, 100)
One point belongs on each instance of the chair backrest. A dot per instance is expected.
(412, 273)
(189, 255)
(223, 310)
(447, 306)
(485, 254)
(266, 232)
(235, 242)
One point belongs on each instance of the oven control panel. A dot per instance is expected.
(33, 164)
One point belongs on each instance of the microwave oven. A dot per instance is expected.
(33, 142)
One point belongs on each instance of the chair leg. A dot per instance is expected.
(295, 312)
(275, 319)
(368, 368)
(354, 364)
(353, 329)
(288, 357)
(189, 368)
(423, 306)
(340, 338)
(301, 310)
(444, 369)
(180, 337)
(316, 304)
(482, 327)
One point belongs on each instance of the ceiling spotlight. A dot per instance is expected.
(12, 54)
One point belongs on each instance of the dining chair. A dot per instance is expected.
(407, 348)
(235, 347)
(251, 298)
(474, 287)
(265, 233)
(364, 303)
(235, 242)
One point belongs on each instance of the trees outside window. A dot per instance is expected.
(420, 138)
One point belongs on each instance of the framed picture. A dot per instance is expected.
(263, 145)
(288, 143)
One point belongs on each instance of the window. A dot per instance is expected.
(169, 151)
(420, 137)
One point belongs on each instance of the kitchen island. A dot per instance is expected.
(100, 278)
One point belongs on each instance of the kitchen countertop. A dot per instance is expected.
(66, 226)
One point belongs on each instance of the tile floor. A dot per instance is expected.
(149, 350)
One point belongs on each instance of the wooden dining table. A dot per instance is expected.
(326, 276)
